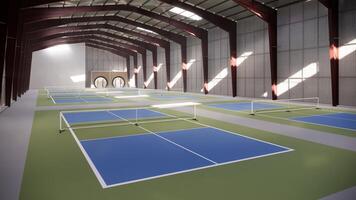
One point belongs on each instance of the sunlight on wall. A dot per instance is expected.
(216, 80)
(347, 49)
(78, 78)
(150, 78)
(223, 73)
(297, 78)
(180, 74)
(132, 81)
(243, 57)
(58, 50)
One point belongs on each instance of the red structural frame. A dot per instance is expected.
(333, 18)
(268, 15)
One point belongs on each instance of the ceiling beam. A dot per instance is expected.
(146, 38)
(221, 22)
(333, 18)
(181, 40)
(39, 14)
(150, 47)
(89, 42)
(269, 15)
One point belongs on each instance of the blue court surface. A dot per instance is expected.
(110, 115)
(127, 159)
(336, 120)
(243, 106)
(69, 100)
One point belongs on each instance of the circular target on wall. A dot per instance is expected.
(118, 82)
(100, 82)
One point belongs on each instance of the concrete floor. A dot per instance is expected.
(16, 123)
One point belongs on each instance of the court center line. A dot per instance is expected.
(197, 154)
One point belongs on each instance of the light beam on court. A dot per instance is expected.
(174, 105)
(78, 78)
(131, 97)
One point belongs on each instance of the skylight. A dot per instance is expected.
(185, 13)
(146, 30)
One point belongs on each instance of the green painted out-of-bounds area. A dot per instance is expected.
(56, 169)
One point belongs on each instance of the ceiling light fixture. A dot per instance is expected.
(185, 13)
(146, 30)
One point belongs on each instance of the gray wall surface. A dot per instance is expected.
(303, 57)
(100, 60)
(57, 66)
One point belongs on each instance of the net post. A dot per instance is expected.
(252, 112)
(195, 112)
(288, 105)
(317, 103)
(60, 122)
(136, 117)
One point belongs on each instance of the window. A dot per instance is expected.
(100, 82)
(118, 82)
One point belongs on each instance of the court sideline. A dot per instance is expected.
(11, 140)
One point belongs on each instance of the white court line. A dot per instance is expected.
(198, 168)
(138, 134)
(53, 100)
(323, 115)
(90, 162)
(169, 141)
(83, 99)
(215, 164)
(312, 123)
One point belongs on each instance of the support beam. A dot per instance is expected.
(221, 22)
(3, 32)
(268, 15)
(39, 14)
(150, 47)
(149, 39)
(89, 40)
(51, 23)
(333, 18)
(11, 42)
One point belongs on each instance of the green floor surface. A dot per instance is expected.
(56, 169)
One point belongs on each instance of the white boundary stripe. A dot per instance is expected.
(195, 169)
(170, 141)
(116, 118)
(83, 99)
(323, 115)
(311, 123)
(103, 184)
(300, 121)
(53, 100)
(195, 122)
(138, 134)
(290, 119)
(90, 162)
(123, 124)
